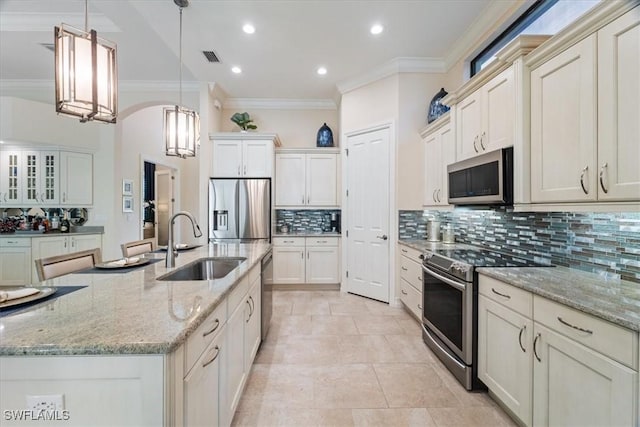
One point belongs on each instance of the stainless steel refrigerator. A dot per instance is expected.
(239, 208)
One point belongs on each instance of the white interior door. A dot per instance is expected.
(164, 204)
(367, 211)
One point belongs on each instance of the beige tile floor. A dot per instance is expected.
(335, 359)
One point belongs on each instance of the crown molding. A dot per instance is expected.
(279, 104)
(123, 85)
(45, 21)
(395, 66)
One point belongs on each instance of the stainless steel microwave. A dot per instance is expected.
(486, 179)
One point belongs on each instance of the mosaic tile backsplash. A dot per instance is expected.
(603, 243)
(305, 221)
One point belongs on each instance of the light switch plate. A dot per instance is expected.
(46, 402)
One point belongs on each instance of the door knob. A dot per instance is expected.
(383, 237)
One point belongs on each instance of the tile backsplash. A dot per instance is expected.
(604, 243)
(305, 221)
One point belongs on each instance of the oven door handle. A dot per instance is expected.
(446, 280)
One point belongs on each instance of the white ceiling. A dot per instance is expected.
(292, 39)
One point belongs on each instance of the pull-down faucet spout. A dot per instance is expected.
(172, 253)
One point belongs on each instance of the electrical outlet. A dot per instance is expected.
(46, 402)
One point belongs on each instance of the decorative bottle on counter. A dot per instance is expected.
(64, 225)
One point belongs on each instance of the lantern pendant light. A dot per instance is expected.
(181, 125)
(86, 76)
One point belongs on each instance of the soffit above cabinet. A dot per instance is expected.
(246, 136)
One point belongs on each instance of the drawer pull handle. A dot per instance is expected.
(502, 295)
(403, 292)
(420, 279)
(524, 328)
(419, 306)
(212, 330)
(404, 269)
(535, 352)
(210, 361)
(564, 322)
(404, 251)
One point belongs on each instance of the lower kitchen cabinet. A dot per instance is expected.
(552, 365)
(252, 334)
(44, 247)
(311, 260)
(15, 261)
(411, 280)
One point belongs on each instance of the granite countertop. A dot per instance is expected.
(74, 230)
(615, 300)
(307, 234)
(124, 313)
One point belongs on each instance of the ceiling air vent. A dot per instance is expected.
(210, 55)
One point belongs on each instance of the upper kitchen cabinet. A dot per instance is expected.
(585, 110)
(76, 178)
(491, 111)
(10, 178)
(307, 178)
(439, 151)
(243, 155)
(40, 172)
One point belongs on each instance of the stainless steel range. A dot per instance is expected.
(450, 305)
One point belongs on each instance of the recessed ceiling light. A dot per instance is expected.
(248, 28)
(322, 71)
(236, 70)
(376, 29)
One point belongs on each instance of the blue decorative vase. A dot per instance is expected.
(437, 108)
(325, 137)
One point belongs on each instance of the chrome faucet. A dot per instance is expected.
(172, 252)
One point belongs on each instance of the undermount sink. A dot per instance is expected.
(204, 269)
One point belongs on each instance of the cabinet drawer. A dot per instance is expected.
(203, 335)
(411, 272)
(288, 241)
(322, 241)
(15, 242)
(412, 298)
(238, 294)
(411, 253)
(516, 299)
(605, 337)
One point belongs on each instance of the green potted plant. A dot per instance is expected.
(243, 120)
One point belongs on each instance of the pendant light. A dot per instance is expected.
(181, 125)
(86, 76)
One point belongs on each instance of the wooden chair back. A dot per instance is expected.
(138, 247)
(59, 265)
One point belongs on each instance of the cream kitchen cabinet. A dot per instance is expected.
(76, 178)
(40, 175)
(585, 104)
(553, 365)
(307, 178)
(411, 280)
(52, 245)
(312, 260)
(243, 155)
(10, 178)
(485, 118)
(15, 261)
(439, 151)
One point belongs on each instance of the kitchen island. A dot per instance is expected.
(123, 349)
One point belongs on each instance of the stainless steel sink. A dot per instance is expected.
(204, 269)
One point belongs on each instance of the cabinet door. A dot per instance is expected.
(433, 169)
(322, 264)
(252, 326)
(505, 361)
(411, 298)
(321, 179)
(448, 154)
(201, 387)
(257, 159)
(76, 178)
(15, 266)
(290, 179)
(10, 178)
(563, 126)
(40, 179)
(235, 345)
(227, 159)
(619, 108)
(469, 125)
(498, 112)
(83, 242)
(30, 178)
(288, 265)
(576, 386)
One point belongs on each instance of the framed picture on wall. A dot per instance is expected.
(127, 187)
(127, 204)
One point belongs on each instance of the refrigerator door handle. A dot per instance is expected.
(238, 213)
